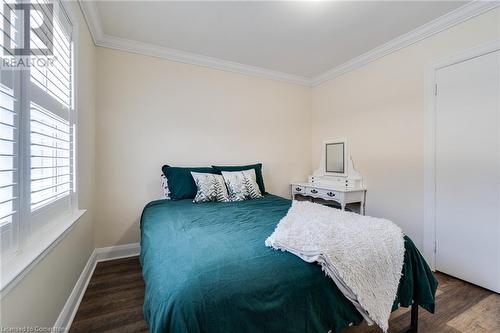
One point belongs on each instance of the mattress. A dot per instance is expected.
(206, 269)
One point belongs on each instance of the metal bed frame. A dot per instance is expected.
(414, 320)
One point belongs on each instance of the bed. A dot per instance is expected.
(206, 269)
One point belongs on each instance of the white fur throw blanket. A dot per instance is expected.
(363, 255)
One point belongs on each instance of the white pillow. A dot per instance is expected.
(241, 185)
(210, 187)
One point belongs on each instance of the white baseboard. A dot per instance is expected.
(117, 252)
(70, 308)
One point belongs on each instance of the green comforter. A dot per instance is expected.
(206, 269)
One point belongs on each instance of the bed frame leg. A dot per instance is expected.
(414, 319)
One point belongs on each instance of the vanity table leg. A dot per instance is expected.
(363, 204)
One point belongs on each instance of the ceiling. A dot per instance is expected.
(301, 38)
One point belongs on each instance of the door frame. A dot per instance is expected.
(429, 239)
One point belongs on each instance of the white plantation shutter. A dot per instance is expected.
(9, 141)
(54, 81)
(50, 124)
(8, 165)
(8, 27)
(51, 118)
(37, 126)
(50, 157)
(7, 153)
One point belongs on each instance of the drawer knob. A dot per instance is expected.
(330, 194)
(314, 191)
(298, 189)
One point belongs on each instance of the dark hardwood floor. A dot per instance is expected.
(114, 297)
(113, 300)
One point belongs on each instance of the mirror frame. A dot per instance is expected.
(344, 164)
(321, 171)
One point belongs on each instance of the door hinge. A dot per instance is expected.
(435, 247)
(435, 89)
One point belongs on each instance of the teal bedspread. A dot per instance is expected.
(206, 269)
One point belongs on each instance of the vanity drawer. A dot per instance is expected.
(298, 189)
(313, 192)
(321, 193)
(330, 194)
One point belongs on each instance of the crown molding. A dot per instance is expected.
(197, 59)
(459, 15)
(93, 19)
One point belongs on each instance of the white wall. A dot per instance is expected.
(39, 297)
(380, 109)
(153, 112)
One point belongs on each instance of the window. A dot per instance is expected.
(37, 121)
(50, 157)
(8, 163)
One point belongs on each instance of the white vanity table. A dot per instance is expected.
(341, 195)
(335, 179)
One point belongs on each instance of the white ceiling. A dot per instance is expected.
(301, 38)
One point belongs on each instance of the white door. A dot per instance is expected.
(468, 170)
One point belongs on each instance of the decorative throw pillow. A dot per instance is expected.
(164, 187)
(241, 185)
(180, 182)
(258, 172)
(210, 187)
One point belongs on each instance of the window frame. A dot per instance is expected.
(31, 242)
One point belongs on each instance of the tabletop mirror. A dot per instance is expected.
(335, 158)
(336, 167)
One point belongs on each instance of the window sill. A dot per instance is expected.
(20, 264)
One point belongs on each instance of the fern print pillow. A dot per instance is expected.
(210, 187)
(241, 185)
(164, 186)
